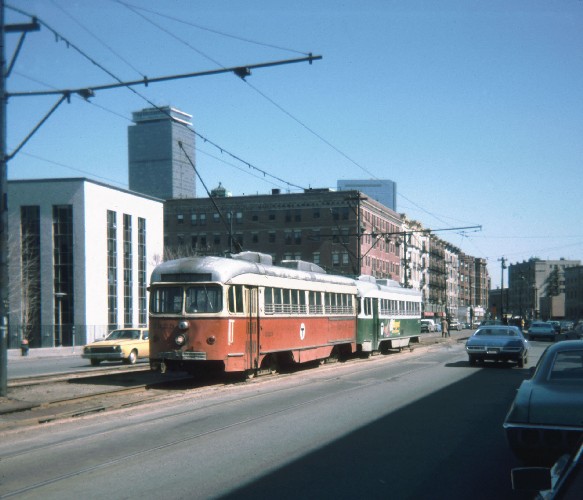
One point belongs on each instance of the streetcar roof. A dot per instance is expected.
(221, 269)
(368, 287)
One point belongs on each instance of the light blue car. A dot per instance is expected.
(542, 330)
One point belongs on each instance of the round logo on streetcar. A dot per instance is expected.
(302, 331)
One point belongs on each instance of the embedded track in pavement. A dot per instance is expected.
(38, 400)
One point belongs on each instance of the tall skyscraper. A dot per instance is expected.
(382, 190)
(158, 165)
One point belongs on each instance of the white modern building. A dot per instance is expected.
(80, 257)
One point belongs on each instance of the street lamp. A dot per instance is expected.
(60, 296)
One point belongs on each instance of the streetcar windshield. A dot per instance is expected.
(166, 300)
(203, 299)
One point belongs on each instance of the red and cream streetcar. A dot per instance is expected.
(243, 314)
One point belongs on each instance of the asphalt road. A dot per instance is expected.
(419, 425)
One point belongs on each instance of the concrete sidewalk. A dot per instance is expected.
(44, 352)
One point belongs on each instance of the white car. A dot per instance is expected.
(428, 326)
(455, 325)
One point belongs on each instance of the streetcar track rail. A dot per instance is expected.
(42, 400)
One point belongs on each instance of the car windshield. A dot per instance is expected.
(124, 334)
(504, 332)
(568, 366)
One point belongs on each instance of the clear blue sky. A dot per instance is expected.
(473, 107)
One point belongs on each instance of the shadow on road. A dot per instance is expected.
(422, 451)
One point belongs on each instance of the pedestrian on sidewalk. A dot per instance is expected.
(444, 327)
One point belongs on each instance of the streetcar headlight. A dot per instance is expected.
(183, 325)
(180, 339)
(211, 340)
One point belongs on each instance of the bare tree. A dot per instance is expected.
(25, 293)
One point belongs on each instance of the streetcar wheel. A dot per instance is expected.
(95, 362)
(269, 365)
(249, 374)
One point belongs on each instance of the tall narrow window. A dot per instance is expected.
(127, 271)
(112, 269)
(142, 277)
(30, 274)
(63, 273)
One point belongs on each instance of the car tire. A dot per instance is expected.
(473, 361)
(95, 362)
(132, 358)
(521, 362)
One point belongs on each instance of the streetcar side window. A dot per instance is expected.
(303, 308)
(315, 301)
(236, 302)
(277, 300)
(368, 306)
(286, 300)
(268, 300)
(166, 300)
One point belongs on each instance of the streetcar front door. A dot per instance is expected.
(253, 329)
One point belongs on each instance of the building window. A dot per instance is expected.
(297, 237)
(128, 282)
(216, 218)
(180, 219)
(254, 217)
(142, 276)
(298, 216)
(202, 219)
(271, 215)
(255, 237)
(216, 239)
(288, 216)
(193, 219)
(345, 235)
(316, 258)
(288, 237)
(271, 236)
(30, 274)
(238, 217)
(111, 269)
(63, 273)
(335, 259)
(316, 213)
